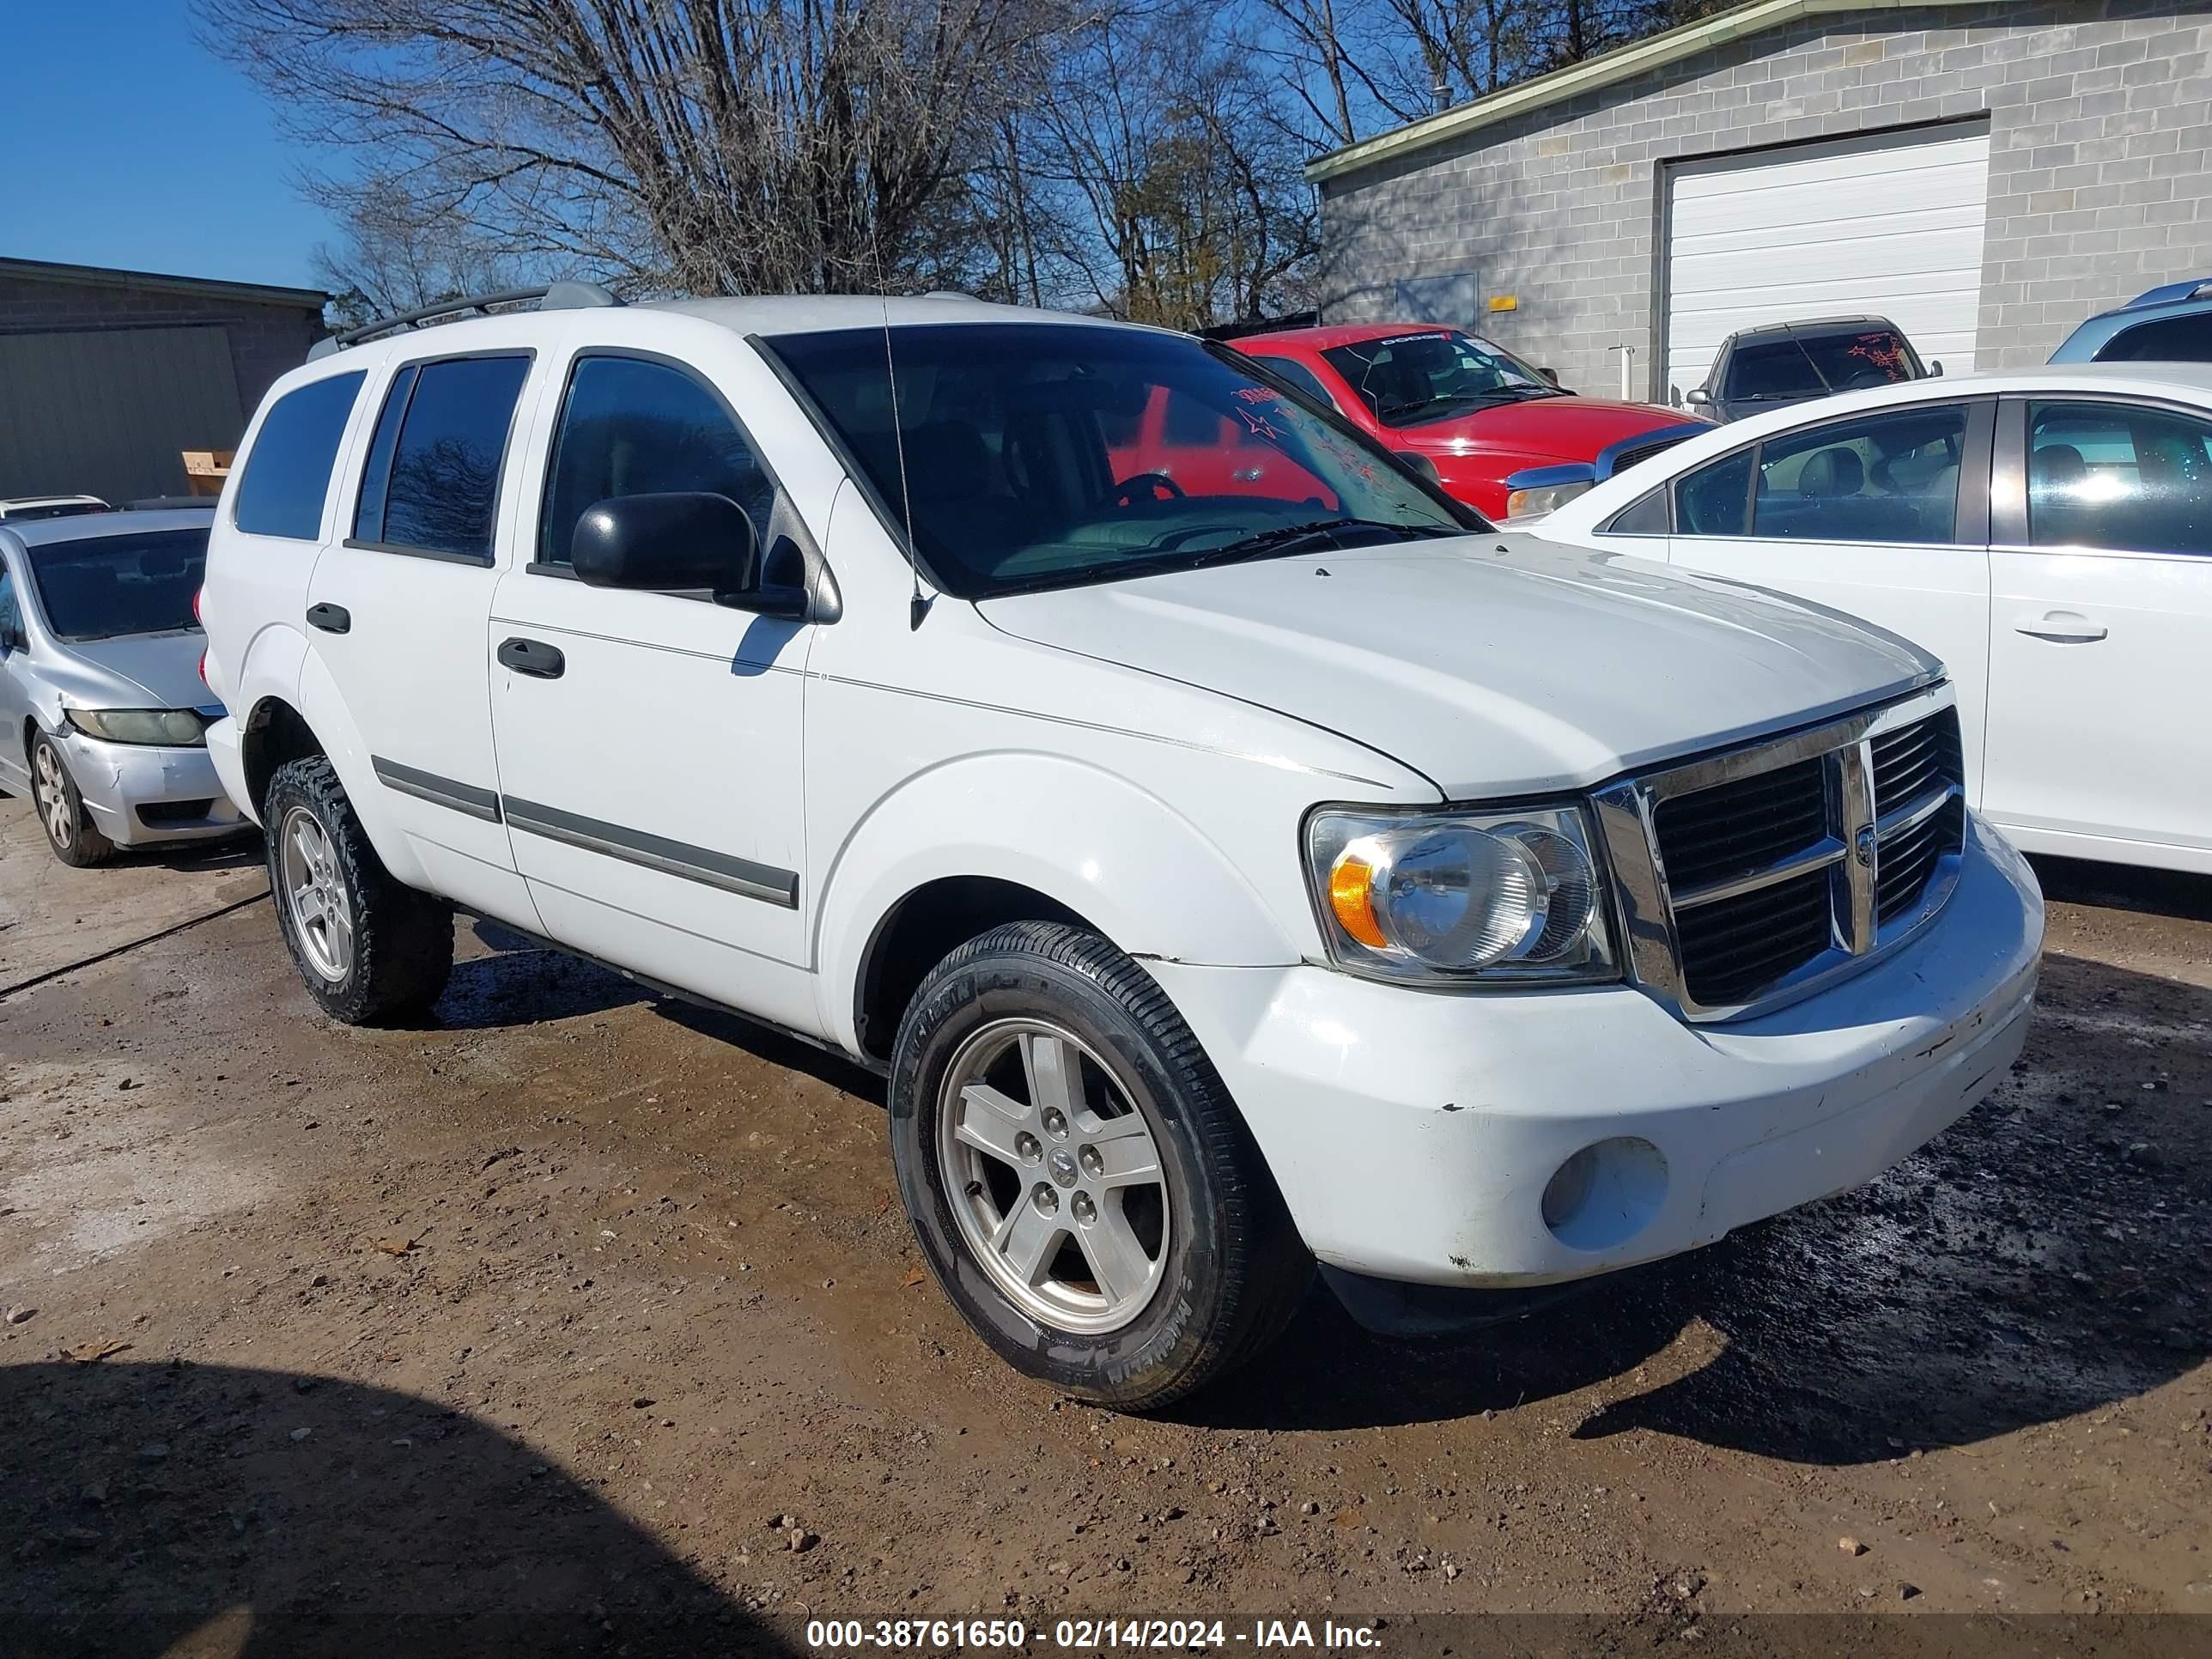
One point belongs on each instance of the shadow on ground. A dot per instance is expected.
(211, 1512)
(2043, 1257)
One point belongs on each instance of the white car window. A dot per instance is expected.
(2106, 475)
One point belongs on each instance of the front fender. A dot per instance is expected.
(1144, 874)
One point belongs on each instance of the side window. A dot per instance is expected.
(1891, 478)
(632, 428)
(431, 482)
(1291, 369)
(1715, 499)
(1645, 516)
(2186, 339)
(2109, 475)
(287, 472)
(11, 614)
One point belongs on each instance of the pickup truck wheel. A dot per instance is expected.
(1078, 1178)
(371, 950)
(69, 829)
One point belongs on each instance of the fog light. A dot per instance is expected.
(1604, 1195)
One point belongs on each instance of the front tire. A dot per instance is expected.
(70, 833)
(371, 950)
(1076, 1175)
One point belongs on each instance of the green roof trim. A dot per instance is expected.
(1621, 64)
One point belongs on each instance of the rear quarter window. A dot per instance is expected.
(287, 472)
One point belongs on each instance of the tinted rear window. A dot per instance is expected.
(435, 473)
(287, 472)
(2184, 339)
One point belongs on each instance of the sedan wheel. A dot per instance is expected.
(54, 803)
(75, 839)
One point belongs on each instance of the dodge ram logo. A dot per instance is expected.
(1863, 847)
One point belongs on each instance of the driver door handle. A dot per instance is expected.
(330, 618)
(2062, 627)
(532, 657)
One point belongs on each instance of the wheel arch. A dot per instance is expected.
(972, 844)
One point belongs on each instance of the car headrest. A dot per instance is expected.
(1835, 472)
(2057, 466)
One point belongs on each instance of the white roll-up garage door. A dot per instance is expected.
(1891, 229)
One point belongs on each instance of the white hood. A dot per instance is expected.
(1495, 665)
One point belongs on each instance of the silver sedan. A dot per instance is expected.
(102, 710)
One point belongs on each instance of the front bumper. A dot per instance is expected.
(142, 793)
(1414, 1135)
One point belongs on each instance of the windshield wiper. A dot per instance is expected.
(1285, 539)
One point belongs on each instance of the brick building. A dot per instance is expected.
(107, 376)
(1984, 175)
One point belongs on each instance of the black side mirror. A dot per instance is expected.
(678, 542)
(1935, 369)
(1420, 463)
(1551, 374)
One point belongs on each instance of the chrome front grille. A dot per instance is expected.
(1751, 876)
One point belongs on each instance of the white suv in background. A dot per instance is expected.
(1222, 881)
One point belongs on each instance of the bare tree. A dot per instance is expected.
(707, 145)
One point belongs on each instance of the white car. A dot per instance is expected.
(2047, 533)
(1222, 881)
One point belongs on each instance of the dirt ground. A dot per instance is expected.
(580, 1321)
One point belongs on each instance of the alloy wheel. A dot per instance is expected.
(54, 797)
(1054, 1175)
(315, 894)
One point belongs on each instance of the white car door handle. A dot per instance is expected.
(2062, 627)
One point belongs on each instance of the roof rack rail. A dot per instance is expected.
(553, 296)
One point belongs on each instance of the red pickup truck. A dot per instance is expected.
(1502, 436)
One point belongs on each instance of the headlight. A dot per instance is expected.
(1545, 498)
(1461, 897)
(175, 727)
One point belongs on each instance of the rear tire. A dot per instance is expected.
(372, 951)
(70, 833)
(1126, 1245)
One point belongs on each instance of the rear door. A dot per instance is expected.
(2102, 630)
(396, 609)
(651, 744)
(1883, 516)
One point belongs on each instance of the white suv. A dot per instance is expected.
(1274, 865)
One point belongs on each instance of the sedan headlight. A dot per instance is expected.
(1461, 897)
(175, 728)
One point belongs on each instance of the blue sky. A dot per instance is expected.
(129, 145)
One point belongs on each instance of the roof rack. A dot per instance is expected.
(553, 296)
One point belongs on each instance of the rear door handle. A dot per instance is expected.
(2062, 627)
(330, 618)
(532, 657)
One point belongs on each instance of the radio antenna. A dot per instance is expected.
(918, 604)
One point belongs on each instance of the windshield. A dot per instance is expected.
(101, 587)
(1051, 455)
(1434, 374)
(1814, 365)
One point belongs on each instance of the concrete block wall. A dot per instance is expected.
(2099, 114)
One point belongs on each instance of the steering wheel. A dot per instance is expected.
(1866, 379)
(1157, 486)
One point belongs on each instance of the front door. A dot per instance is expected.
(2102, 630)
(1882, 516)
(650, 744)
(395, 612)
